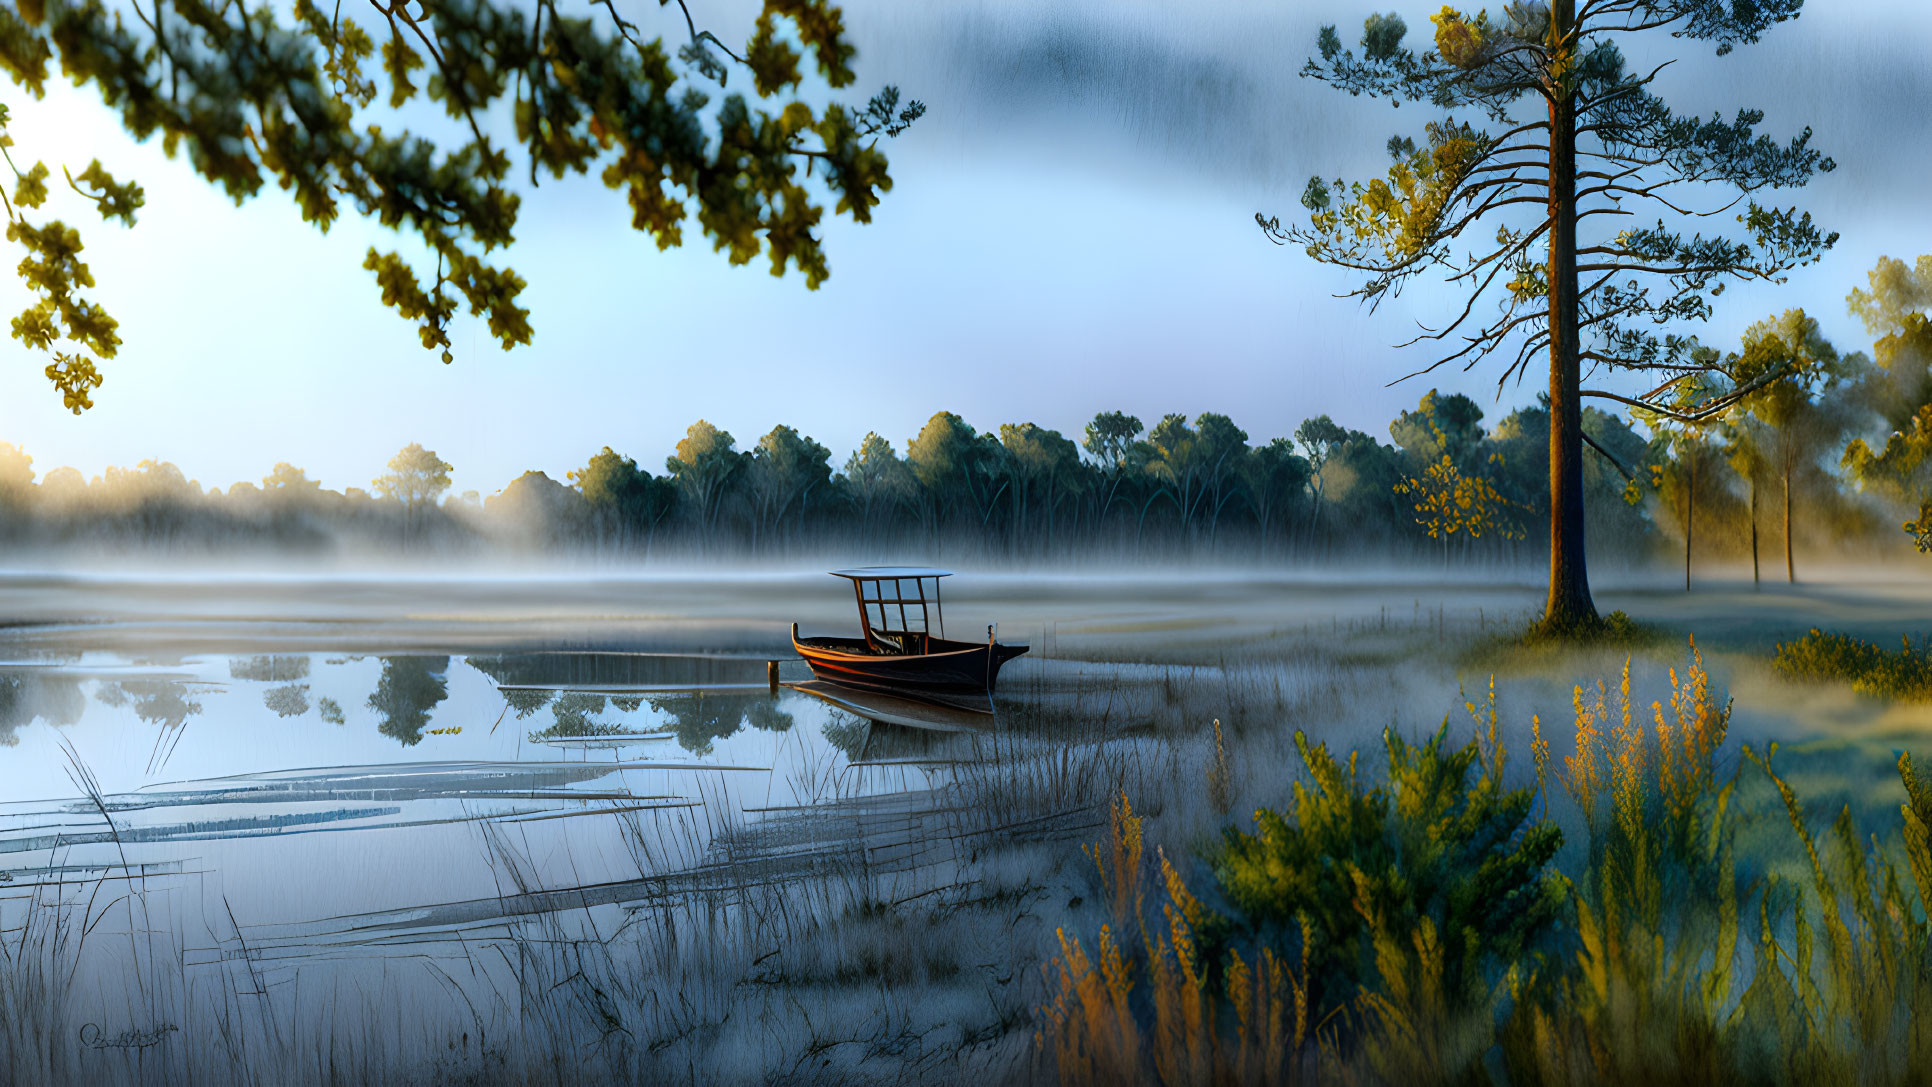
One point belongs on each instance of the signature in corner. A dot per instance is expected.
(90, 1036)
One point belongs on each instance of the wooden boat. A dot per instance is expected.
(899, 653)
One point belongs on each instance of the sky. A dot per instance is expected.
(1071, 231)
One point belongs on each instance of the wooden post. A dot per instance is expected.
(771, 674)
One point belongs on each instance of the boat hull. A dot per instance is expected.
(952, 668)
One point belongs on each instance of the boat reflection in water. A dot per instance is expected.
(926, 714)
(899, 654)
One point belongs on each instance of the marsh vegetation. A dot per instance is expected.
(570, 864)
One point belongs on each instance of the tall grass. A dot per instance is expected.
(38, 964)
(1208, 1022)
(1651, 960)
(1424, 924)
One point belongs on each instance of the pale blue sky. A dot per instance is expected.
(1071, 231)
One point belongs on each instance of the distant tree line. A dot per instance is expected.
(1123, 487)
(1824, 448)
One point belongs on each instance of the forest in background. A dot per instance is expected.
(1830, 452)
(1022, 489)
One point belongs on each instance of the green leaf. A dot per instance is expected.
(774, 63)
(399, 60)
(116, 200)
(35, 327)
(75, 376)
(30, 190)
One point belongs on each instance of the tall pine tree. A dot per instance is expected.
(1528, 192)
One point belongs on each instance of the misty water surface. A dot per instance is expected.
(297, 786)
(309, 783)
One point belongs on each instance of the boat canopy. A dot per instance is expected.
(890, 573)
(906, 602)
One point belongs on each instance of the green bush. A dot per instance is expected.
(1356, 871)
(1819, 655)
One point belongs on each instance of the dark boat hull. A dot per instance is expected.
(952, 668)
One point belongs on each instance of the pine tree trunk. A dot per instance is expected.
(1790, 572)
(1754, 529)
(1690, 517)
(1569, 607)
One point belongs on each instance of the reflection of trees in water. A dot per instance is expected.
(765, 716)
(611, 669)
(410, 687)
(886, 742)
(515, 668)
(696, 719)
(501, 668)
(847, 732)
(860, 739)
(48, 696)
(163, 702)
(526, 702)
(289, 701)
(702, 718)
(331, 711)
(573, 713)
(276, 669)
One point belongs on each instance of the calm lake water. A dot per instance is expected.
(296, 787)
(403, 812)
(293, 786)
